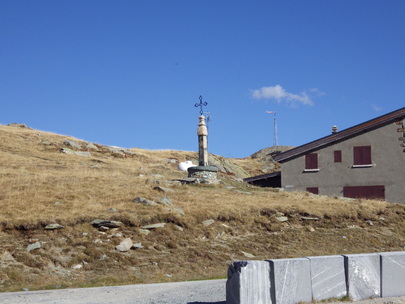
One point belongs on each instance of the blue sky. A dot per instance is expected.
(128, 73)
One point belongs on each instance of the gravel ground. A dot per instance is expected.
(196, 292)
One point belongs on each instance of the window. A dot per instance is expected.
(311, 162)
(362, 156)
(370, 192)
(337, 156)
(313, 190)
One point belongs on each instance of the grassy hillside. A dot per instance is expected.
(205, 227)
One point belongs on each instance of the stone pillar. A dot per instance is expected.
(203, 172)
(202, 142)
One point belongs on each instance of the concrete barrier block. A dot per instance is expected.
(291, 281)
(392, 274)
(248, 282)
(363, 275)
(328, 277)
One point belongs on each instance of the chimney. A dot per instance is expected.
(334, 129)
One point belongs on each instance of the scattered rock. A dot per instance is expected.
(125, 245)
(46, 142)
(91, 146)
(166, 201)
(33, 246)
(106, 223)
(72, 144)
(163, 189)
(57, 203)
(112, 210)
(171, 160)
(137, 246)
(247, 254)
(103, 228)
(102, 258)
(144, 201)
(154, 226)
(79, 153)
(18, 125)
(310, 229)
(78, 266)
(178, 210)
(282, 219)
(83, 153)
(53, 226)
(305, 218)
(206, 223)
(370, 222)
(144, 231)
(178, 228)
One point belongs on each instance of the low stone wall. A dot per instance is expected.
(289, 281)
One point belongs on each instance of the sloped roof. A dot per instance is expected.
(263, 176)
(341, 135)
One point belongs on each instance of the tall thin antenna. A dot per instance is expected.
(275, 142)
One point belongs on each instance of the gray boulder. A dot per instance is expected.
(53, 227)
(144, 201)
(33, 246)
(105, 223)
(72, 144)
(125, 245)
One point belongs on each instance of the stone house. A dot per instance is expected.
(364, 161)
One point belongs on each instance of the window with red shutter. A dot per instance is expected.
(370, 192)
(313, 190)
(362, 156)
(311, 161)
(337, 155)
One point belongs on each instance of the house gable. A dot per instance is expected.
(341, 136)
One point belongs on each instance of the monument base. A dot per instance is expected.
(208, 173)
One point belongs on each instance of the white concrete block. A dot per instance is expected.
(392, 274)
(363, 275)
(248, 282)
(291, 281)
(328, 277)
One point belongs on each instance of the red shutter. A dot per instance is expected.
(371, 192)
(337, 156)
(362, 155)
(313, 190)
(311, 161)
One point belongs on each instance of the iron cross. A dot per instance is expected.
(201, 104)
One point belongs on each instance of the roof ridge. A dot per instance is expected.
(341, 135)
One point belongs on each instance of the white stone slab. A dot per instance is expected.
(363, 276)
(248, 282)
(291, 281)
(328, 277)
(392, 274)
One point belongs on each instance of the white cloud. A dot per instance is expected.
(278, 93)
(376, 108)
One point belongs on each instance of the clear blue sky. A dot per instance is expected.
(128, 73)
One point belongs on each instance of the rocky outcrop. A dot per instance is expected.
(226, 166)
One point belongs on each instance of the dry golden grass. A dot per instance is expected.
(40, 185)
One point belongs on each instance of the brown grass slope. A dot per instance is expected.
(39, 185)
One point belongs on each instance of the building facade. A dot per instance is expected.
(364, 161)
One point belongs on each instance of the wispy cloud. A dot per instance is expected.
(376, 108)
(279, 94)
